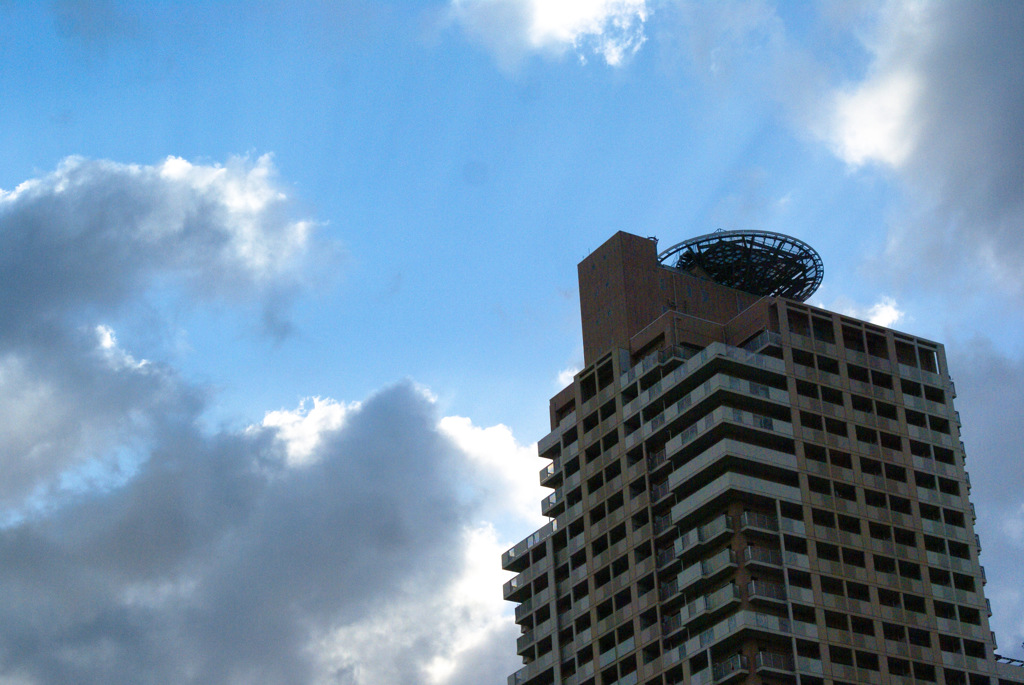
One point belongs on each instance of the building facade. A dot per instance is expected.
(748, 489)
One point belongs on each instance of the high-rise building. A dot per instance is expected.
(748, 489)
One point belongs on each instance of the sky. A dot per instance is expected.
(286, 286)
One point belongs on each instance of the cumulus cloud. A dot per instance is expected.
(301, 428)
(457, 633)
(82, 245)
(221, 560)
(217, 561)
(99, 232)
(940, 107)
(611, 29)
(506, 472)
(332, 542)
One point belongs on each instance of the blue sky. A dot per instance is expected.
(239, 238)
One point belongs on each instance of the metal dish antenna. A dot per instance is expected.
(757, 262)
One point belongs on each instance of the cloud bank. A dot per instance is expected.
(611, 29)
(990, 387)
(940, 107)
(82, 246)
(329, 543)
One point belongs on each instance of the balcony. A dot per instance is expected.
(662, 523)
(529, 604)
(916, 374)
(616, 652)
(758, 521)
(794, 526)
(729, 670)
(531, 636)
(733, 482)
(568, 516)
(515, 558)
(708, 604)
(702, 535)
(1007, 667)
(771, 338)
(803, 595)
(547, 474)
(773, 662)
(656, 459)
(797, 560)
(728, 448)
(551, 505)
(718, 382)
(767, 591)
(671, 624)
(703, 570)
(667, 589)
(666, 557)
(532, 669)
(735, 623)
(762, 556)
(804, 629)
(659, 490)
(516, 590)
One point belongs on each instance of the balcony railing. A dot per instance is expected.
(754, 519)
(762, 555)
(715, 600)
(766, 589)
(671, 624)
(656, 459)
(662, 523)
(773, 661)
(708, 531)
(530, 541)
(734, 664)
(665, 557)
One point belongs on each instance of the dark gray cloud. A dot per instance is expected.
(216, 563)
(990, 387)
(940, 105)
(137, 545)
(86, 243)
(94, 234)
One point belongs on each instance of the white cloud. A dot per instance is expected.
(566, 376)
(301, 429)
(885, 312)
(105, 233)
(873, 120)
(611, 29)
(508, 472)
(117, 357)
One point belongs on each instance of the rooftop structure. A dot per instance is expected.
(757, 262)
(747, 489)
